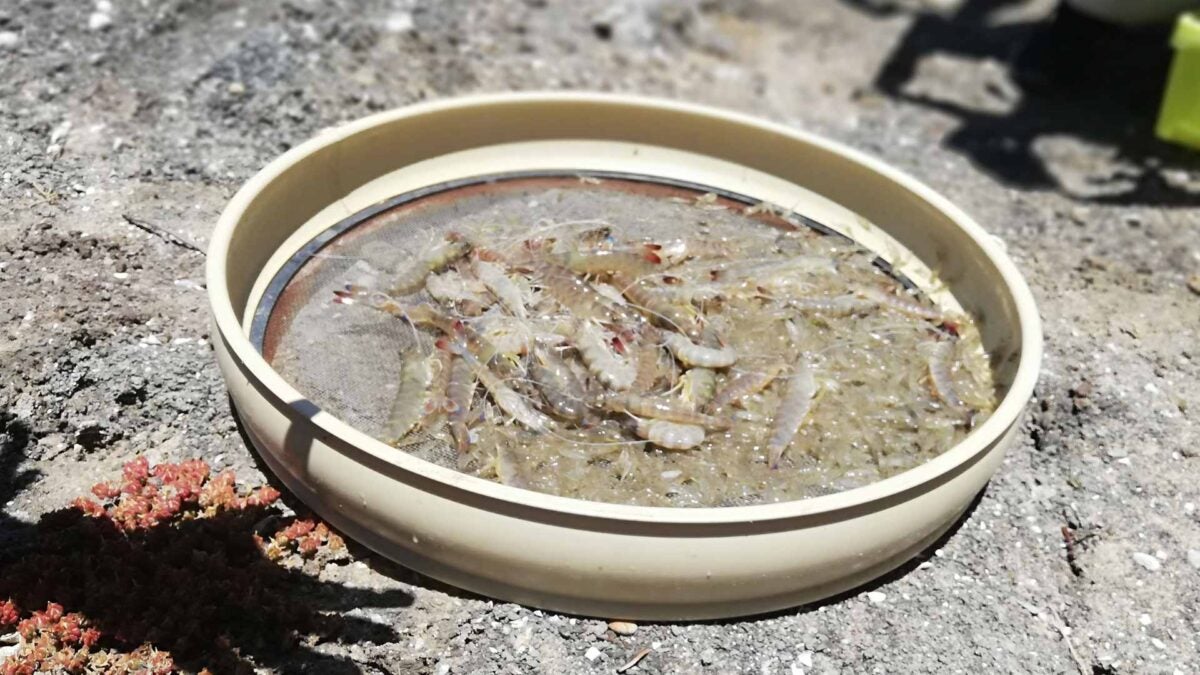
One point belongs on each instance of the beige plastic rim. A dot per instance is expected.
(591, 558)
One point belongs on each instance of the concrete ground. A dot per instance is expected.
(159, 110)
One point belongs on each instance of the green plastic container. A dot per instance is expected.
(1179, 118)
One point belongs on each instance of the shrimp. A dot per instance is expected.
(460, 390)
(416, 376)
(746, 383)
(450, 287)
(840, 305)
(616, 373)
(425, 314)
(900, 303)
(697, 386)
(662, 310)
(689, 292)
(633, 263)
(437, 404)
(939, 374)
(508, 469)
(692, 354)
(413, 276)
(506, 291)
(509, 335)
(670, 435)
(675, 251)
(578, 296)
(660, 409)
(793, 272)
(562, 390)
(506, 399)
(648, 369)
(793, 410)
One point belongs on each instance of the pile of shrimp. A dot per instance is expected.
(724, 368)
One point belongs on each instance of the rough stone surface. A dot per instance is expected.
(104, 343)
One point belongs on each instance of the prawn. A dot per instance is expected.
(692, 354)
(509, 336)
(939, 374)
(578, 296)
(413, 276)
(670, 435)
(506, 399)
(506, 291)
(437, 405)
(674, 315)
(697, 386)
(648, 369)
(460, 390)
(746, 383)
(675, 251)
(616, 373)
(425, 314)
(602, 261)
(562, 390)
(839, 305)
(508, 469)
(450, 287)
(414, 393)
(902, 304)
(792, 411)
(659, 409)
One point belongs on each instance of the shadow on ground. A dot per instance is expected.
(199, 588)
(1097, 85)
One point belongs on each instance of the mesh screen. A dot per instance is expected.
(346, 359)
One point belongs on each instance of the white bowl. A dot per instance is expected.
(591, 558)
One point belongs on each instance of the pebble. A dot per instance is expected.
(876, 597)
(1144, 619)
(8, 39)
(400, 22)
(1148, 561)
(1193, 557)
(591, 654)
(1193, 283)
(622, 627)
(1158, 643)
(99, 21)
(805, 659)
(236, 88)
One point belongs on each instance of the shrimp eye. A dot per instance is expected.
(618, 345)
(442, 343)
